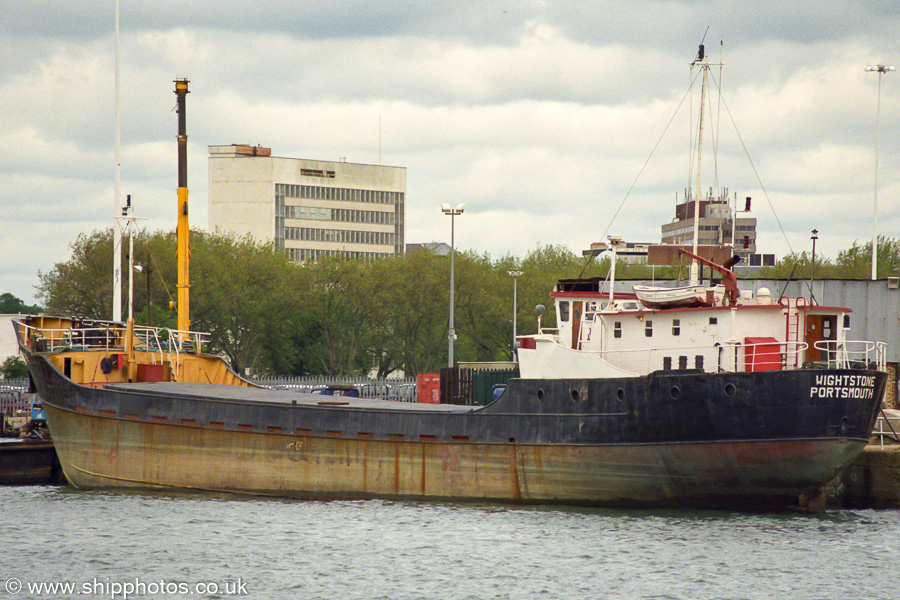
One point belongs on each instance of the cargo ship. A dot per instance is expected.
(724, 409)
(698, 397)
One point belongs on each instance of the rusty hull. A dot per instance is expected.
(103, 452)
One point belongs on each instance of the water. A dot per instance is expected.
(369, 550)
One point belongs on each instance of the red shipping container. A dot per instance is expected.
(428, 388)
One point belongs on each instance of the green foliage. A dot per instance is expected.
(856, 262)
(13, 368)
(10, 305)
(243, 295)
(81, 286)
(852, 263)
(411, 300)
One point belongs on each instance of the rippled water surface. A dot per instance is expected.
(255, 548)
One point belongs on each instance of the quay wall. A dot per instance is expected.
(871, 481)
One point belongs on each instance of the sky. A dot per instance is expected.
(556, 122)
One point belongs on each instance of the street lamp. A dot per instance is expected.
(881, 70)
(515, 275)
(448, 210)
(812, 274)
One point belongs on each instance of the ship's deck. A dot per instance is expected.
(239, 394)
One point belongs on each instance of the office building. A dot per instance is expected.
(308, 208)
(718, 225)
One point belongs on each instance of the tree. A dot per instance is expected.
(241, 290)
(81, 286)
(483, 307)
(242, 293)
(411, 294)
(10, 305)
(13, 368)
(339, 303)
(856, 261)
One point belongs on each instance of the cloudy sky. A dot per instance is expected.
(540, 115)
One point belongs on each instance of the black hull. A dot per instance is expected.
(674, 438)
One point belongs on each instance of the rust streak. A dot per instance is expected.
(424, 471)
(397, 469)
(365, 465)
(514, 472)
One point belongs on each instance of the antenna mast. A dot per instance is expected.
(704, 64)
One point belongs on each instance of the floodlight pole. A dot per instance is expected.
(881, 70)
(447, 210)
(515, 275)
(812, 274)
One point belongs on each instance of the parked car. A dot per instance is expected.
(336, 390)
(403, 392)
(373, 390)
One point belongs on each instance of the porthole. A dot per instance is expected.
(675, 391)
(730, 390)
(540, 395)
(575, 395)
(620, 394)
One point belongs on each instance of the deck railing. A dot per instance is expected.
(853, 354)
(111, 338)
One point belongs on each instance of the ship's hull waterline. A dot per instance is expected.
(151, 436)
(101, 452)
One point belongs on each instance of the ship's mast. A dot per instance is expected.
(183, 231)
(117, 193)
(702, 61)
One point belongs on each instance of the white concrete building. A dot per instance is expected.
(308, 208)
